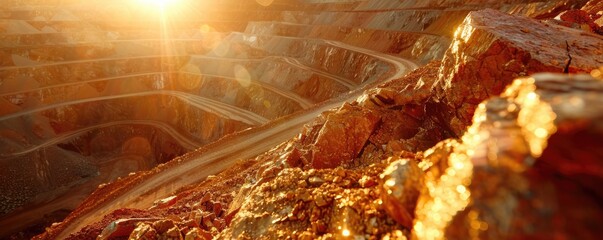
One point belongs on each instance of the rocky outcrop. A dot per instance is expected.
(491, 48)
(511, 170)
(501, 179)
(506, 177)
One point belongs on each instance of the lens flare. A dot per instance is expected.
(242, 75)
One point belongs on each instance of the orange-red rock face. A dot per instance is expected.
(490, 49)
(517, 187)
(338, 140)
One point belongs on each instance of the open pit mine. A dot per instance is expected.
(301, 119)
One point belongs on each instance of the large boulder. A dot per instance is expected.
(526, 169)
(492, 48)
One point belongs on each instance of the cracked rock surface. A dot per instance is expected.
(491, 48)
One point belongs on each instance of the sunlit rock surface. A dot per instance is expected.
(491, 48)
(93, 90)
(511, 176)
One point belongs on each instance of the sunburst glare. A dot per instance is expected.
(161, 4)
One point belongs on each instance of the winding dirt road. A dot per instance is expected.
(219, 108)
(303, 103)
(183, 140)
